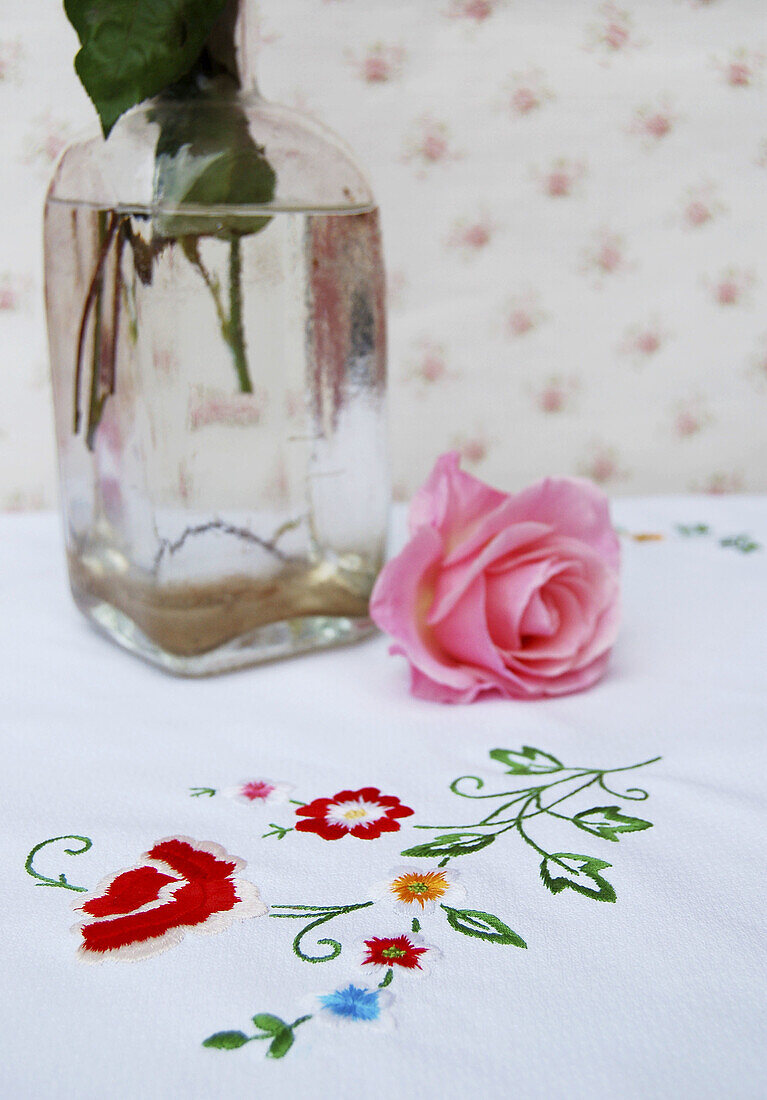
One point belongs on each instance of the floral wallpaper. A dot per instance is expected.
(573, 198)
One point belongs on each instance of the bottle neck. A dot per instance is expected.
(233, 43)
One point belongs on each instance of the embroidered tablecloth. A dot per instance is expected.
(550, 899)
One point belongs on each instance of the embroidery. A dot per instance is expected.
(743, 542)
(365, 813)
(61, 881)
(399, 954)
(324, 913)
(181, 885)
(394, 952)
(558, 870)
(280, 1034)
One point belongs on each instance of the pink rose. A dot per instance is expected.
(517, 594)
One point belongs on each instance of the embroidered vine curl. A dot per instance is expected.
(519, 806)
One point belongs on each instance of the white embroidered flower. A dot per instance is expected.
(259, 792)
(414, 890)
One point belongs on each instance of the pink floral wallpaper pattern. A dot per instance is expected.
(574, 200)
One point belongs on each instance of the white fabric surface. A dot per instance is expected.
(660, 994)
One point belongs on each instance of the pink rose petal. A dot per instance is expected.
(516, 595)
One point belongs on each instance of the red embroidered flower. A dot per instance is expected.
(365, 813)
(391, 951)
(181, 885)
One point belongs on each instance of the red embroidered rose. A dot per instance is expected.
(391, 951)
(365, 813)
(181, 885)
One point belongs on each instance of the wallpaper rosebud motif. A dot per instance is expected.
(573, 200)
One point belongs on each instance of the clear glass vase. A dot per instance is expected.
(216, 317)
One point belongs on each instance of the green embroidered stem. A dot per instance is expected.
(196, 792)
(326, 913)
(62, 879)
(526, 803)
(387, 979)
(279, 831)
(272, 1028)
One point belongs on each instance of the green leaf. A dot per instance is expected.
(527, 761)
(132, 49)
(483, 926)
(268, 1023)
(226, 1040)
(580, 871)
(451, 844)
(606, 821)
(281, 1044)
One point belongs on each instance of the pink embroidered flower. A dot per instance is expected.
(512, 594)
(472, 450)
(603, 466)
(607, 255)
(429, 144)
(732, 286)
(259, 792)
(365, 814)
(613, 34)
(641, 342)
(720, 483)
(430, 366)
(555, 395)
(527, 91)
(523, 314)
(181, 885)
(690, 418)
(476, 10)
(381, 63)
(471, 236)
(562, 177)
(742, 69)
(654, 122)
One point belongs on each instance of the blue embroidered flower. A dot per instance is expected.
(353, 1003)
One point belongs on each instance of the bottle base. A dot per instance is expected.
(268, 642)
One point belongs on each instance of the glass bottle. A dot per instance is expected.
(216, 318)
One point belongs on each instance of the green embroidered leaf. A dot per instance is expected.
(132, 49)
(270, 1024)
(606, 821)
(451, 844)
(483, 926)
(281, 1044)
(527, 761)
(226, 1040)
(579, 872)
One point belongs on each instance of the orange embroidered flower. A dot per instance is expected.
(416, 888)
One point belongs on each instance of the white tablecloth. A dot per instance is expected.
(658, 993)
